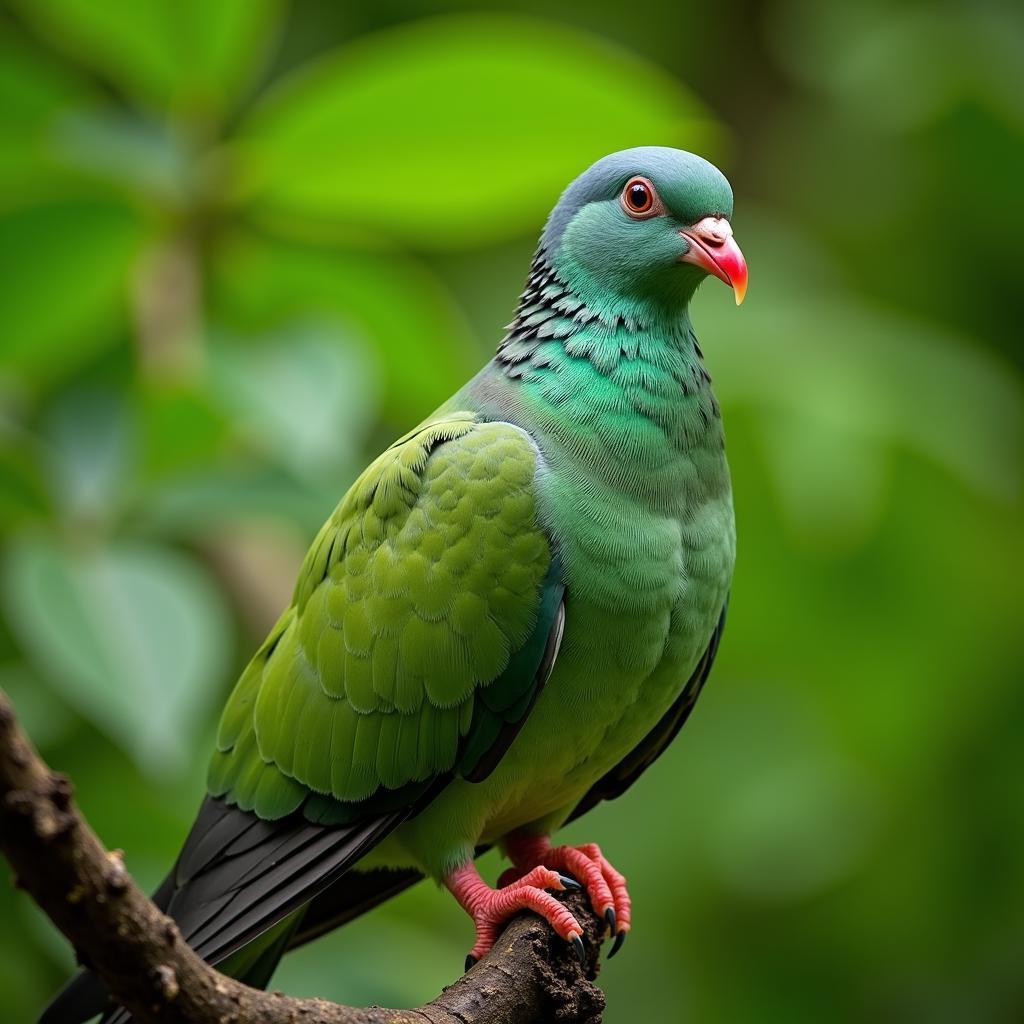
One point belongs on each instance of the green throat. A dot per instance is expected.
(618, 387)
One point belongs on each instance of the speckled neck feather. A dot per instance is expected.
(549, 309)
(630, 399)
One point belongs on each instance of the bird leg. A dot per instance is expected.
(605, 886)
(490, 908)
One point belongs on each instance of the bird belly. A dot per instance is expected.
(638, 618)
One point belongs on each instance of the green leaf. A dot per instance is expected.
(90, 454)
(22, 490)
(34, 93)
(134, 636)
(181, 428)
(63, 290)
(193, 506)
(188, 53)
(306, 397)
(456, 130)
(391, 304)
(151, 159)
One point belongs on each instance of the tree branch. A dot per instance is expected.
(146, 965)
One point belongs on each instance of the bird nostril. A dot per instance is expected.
(713, 231)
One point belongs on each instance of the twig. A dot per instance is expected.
(529, 976)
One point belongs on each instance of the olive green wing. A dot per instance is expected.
(392, 667)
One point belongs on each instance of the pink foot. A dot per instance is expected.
(490, 908)
(605, 886)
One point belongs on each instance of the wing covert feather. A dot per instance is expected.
(428, 582)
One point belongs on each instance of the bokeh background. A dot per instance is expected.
(245, 244)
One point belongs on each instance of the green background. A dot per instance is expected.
(244, 244)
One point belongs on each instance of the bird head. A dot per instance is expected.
(643, 228)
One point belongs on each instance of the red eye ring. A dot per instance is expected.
(639, 199)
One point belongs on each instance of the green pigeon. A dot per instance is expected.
(505, 621)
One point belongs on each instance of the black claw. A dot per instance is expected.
(570, 883)
(617, 944)
(609, 916)
(470, 961)
(577, 947)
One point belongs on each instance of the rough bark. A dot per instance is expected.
(139, 953)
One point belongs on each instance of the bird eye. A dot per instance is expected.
(638, 197)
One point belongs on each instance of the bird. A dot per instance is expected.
(505, 621)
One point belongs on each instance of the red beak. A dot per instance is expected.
(713, 249)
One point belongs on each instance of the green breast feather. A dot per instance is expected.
(402, 655)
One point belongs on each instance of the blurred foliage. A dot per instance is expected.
(245, 244)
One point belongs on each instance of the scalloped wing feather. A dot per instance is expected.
(390, 667)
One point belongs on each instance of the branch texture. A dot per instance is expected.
(529, 976)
